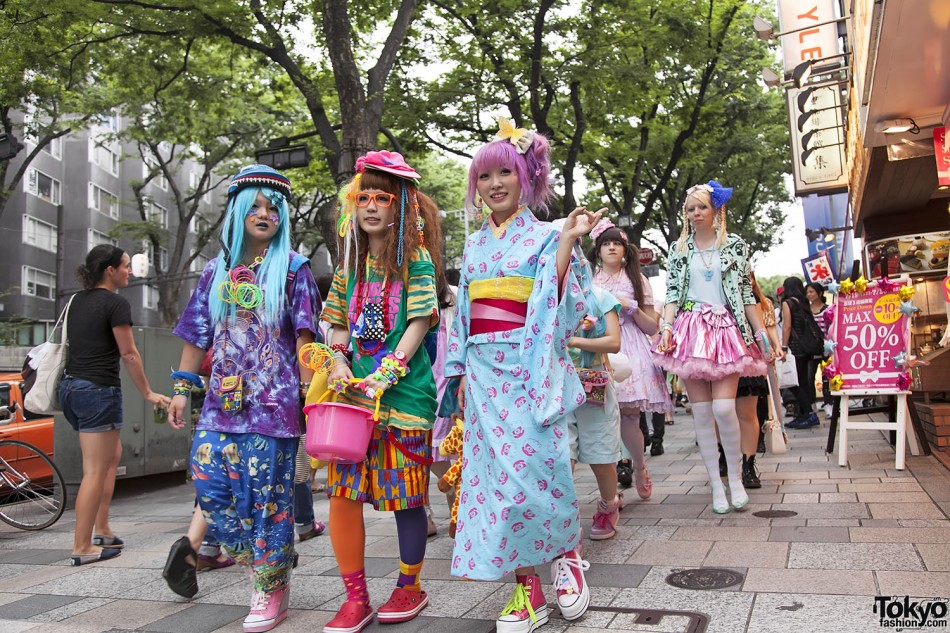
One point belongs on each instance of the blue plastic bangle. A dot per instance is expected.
(191, 377)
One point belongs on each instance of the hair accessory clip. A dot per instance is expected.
(517, 136)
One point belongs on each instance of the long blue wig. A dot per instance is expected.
(271, 274)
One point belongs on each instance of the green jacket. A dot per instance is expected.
(736, 278)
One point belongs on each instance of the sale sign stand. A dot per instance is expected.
(869, 344)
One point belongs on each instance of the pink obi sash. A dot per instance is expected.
(496, 315)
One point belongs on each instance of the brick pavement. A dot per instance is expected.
(858, 532)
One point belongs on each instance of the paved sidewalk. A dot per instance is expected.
(858, 532)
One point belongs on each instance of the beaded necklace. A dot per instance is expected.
(707, 264)
(372, 322)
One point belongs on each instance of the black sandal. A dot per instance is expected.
(181, 576)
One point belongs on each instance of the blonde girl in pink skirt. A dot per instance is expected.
(711, 332)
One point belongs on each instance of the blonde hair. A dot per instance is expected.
(703, 194)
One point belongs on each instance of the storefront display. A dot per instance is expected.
(915, 254)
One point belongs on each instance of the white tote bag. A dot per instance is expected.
(776, 440)
(50, 362)
(787, 371)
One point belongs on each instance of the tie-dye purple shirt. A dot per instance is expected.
(264, 357)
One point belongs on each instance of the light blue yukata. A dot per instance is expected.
(517, 504)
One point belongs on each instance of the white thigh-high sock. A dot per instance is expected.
(705, 425)
(725, 411)
(632, 438)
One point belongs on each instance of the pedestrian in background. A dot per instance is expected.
(99, 330)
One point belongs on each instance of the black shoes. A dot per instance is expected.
(656, 448)
(625, 473)
(182, 576)
(750, 478)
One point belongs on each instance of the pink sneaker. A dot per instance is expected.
(526, 610)
(268, 609)
(573, 593)
(402, 606)
(605, 520)
(352, 617)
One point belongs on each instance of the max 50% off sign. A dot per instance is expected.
(872, 337)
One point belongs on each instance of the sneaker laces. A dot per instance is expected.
(562, 575)
(260, 600)
(601, 519)
(518, 601)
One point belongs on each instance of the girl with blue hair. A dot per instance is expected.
(254, 308)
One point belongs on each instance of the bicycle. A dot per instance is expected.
(32, 489)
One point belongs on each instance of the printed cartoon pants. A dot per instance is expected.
(245, 485)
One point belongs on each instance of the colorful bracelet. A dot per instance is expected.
(342, 358)
(341, 348)
(188, 376)
(181, 387)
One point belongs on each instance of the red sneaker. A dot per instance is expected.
(402, 606)
(352, 617)
(526, 610)
(573, 593)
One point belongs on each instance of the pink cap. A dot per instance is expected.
(389, 162)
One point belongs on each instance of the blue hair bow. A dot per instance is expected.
(720, 195)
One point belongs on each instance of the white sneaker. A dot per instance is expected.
(573, 592)
(828, 410)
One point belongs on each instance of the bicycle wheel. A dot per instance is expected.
(32, 490)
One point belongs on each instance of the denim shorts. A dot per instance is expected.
(90, 407)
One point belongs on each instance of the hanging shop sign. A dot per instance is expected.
(817, 138)
(818, 269)
(942, 154)
(870, 335)
(923, 254)
(809, 41)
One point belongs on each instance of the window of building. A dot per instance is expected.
(110, 120)
(199, 224)
(43, 186)
(39, 233)
(33, 334)
(163, 259)
(95, 238)
(105, 158)
(54, 148)
(150, 297)
(38, 283)
(103, 201)
(158, 214)
(198, 263)
(148, 165)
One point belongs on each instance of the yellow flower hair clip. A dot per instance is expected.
(517, 136)
(347, 206)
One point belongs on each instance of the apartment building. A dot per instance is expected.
(84, 184)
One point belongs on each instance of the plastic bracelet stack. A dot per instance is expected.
(389, 372)
(241, 287)
(665, 326)
(317, 357)
(184, 381)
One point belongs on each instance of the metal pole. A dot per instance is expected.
(60, 260)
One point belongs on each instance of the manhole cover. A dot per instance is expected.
(775, 514)
(704, 578)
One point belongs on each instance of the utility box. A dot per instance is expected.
(149, 445)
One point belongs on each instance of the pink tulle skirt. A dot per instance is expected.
(709, 346)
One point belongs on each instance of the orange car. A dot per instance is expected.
(16, 423)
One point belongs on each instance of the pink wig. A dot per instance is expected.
(533, 169)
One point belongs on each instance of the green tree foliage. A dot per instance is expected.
(47, 75)
(341, 74)
(640, 98)
(194, 112)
